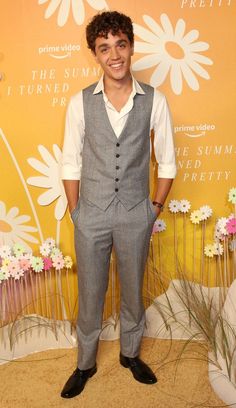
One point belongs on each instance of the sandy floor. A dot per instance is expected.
(36, 381)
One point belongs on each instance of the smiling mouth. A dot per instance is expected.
(116, 66)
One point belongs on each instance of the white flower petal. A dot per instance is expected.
(38, 165)
(78, 11)
(190, 78)
(2, 209)
(26, 237)
(98, 4)
(57, 152)
(146, 48)
(21, 241)
(152, 24)
(22, 219)
(146, 62)
(63, 13)
(198, 69)
(42, 1)
(60, 208)
(40, 181)
(201, 58)
(144, 34)
(13, 212)
(52, 8)
(191, 36)
(198, 46)
(48, 197)
(167, 25)
(176, 78)
(28, 228)
(46, 155)
(180, 29)
(160, 74)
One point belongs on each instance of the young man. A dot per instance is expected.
(106, 157)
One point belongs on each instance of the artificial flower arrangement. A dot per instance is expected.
(26, 281)
(205, 312)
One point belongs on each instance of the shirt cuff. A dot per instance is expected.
(167, 171)
(70, 173)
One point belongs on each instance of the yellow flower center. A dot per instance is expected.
(5, 227)
(174, 50)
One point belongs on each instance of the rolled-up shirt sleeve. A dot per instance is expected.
(164, 150)
(73, 139)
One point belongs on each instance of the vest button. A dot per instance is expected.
(117, 155)
(116, 179)
(116, 189)
(117, 167)
(118, 144)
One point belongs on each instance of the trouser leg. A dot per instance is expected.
(131, 239)
(93, 244)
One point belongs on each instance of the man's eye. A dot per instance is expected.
(103, 50)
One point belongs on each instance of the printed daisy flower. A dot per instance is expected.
(68, 262)
(231, 226)
(221, 224)
(172, 51)
(184, 206)
(14, 268)
(159, 226)
(232, 245)
(47, 263)
(51, 242)
(4, 273)
(5, 251)
(218, 248)
(37, 263)
(24, 264)
(51, 179)
(195, 216)
(209, 250)
(56, 252)
(232, 195)
(174, 206)
(44, 249)
(77, 7)
(18, 250)
(206, 212)
(58, 263)
(13, 228)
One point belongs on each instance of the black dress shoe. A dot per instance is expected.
(140, 370)
(76, 383)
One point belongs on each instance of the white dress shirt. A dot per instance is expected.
(160, 123)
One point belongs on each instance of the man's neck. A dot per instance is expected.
(123, 85)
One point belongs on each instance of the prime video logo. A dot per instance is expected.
(59, 51)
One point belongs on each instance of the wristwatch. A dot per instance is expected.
(159, 205)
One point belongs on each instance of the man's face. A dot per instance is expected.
(114, 55)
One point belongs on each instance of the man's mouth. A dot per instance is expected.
(116, 66)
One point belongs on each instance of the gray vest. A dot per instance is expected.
(114, 166)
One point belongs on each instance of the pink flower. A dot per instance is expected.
(47, 263)
(14, 268)
(231, 226)
(58, 263)
(24, 264)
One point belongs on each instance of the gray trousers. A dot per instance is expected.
(96, 232)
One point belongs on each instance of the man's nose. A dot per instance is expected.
(114, 54)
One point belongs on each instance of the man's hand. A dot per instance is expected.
(72, 193)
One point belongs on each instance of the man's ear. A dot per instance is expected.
(132, 49)
(95, 56)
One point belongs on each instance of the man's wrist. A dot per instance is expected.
(158, 205)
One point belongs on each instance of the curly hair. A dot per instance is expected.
(104, 23)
